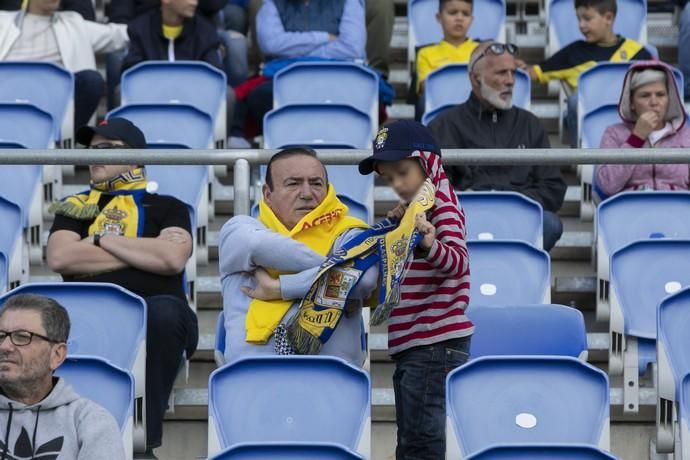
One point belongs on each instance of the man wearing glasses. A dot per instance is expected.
(118, 232)
(489, 120)
(41, 416)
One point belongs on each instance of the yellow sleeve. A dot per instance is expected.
(423, 67)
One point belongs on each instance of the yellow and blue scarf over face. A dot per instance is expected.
(388, 243)
(124, 213)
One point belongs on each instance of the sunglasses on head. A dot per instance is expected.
(497, 49)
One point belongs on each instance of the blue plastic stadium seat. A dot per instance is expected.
(110, 387)
(425, 30)
(11, 243)
(26, 125)
(492, 216)
(595, 122)
(287, 452)
(508, 273)
(542, 452)
(193, 83)
(642, 274)
(525, 400)
(631, 22)
(451, 85)
(330, 125)
(46, 86)
(631, 216)
(179, 124)
(300, 406)
(330, 82)
(3, 272)
(219, 342)
(673, 316)
(528, 330)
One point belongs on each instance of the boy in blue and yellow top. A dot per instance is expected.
(455, 17)
(600, 44)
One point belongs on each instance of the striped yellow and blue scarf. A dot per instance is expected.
(388, 243)
(124, 213)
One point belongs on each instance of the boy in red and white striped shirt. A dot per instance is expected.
(428, 332)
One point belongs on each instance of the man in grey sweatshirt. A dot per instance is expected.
(41, 416)
(296, 184)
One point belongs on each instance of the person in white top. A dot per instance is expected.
(43, 34)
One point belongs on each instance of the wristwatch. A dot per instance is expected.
(97, 240)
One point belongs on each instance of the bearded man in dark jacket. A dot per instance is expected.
(488, 120)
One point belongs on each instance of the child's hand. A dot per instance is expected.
(428, 231)
(521, 64)
(267, 288)
(398, 211)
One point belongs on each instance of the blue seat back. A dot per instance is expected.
(331, 125)
(542, 452)
(632, 216)
(107, 321)
(428, 117)
(642, 274)
(492, 216)
(108, 386)
(451, 85)
(602, 84)
(184, 182)
(426, 30)
(219, 343)
(528, 330)
(673, 316)
(26, 125)
(524, 400)
(3, 272)
(12, 224)
(329, 83)
(18, 183)
(595, 123)
(286, 452)
(286, 409)
(630, 20)
(193, 83)
(47, 86)
(170, 123)
(508, 273)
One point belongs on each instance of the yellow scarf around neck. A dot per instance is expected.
(122, 215)
(318, 230)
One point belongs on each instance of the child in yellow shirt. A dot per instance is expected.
(455, 17)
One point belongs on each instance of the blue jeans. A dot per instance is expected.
(89, 88)
(683, 48)
(419, 383)
(553, 229)
(235, 59)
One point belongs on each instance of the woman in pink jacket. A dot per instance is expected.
(653, 116)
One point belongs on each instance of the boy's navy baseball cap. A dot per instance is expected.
(397, 141)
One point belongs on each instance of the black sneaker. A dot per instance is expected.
(148, 455)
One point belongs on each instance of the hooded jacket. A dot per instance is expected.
(436, 288)
(615, 178)
(470, 126)
(63, 426)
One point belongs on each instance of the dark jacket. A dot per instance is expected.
(124, 11)
(198, 41)
(469, 126)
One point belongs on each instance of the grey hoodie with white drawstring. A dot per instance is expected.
(63, 426)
